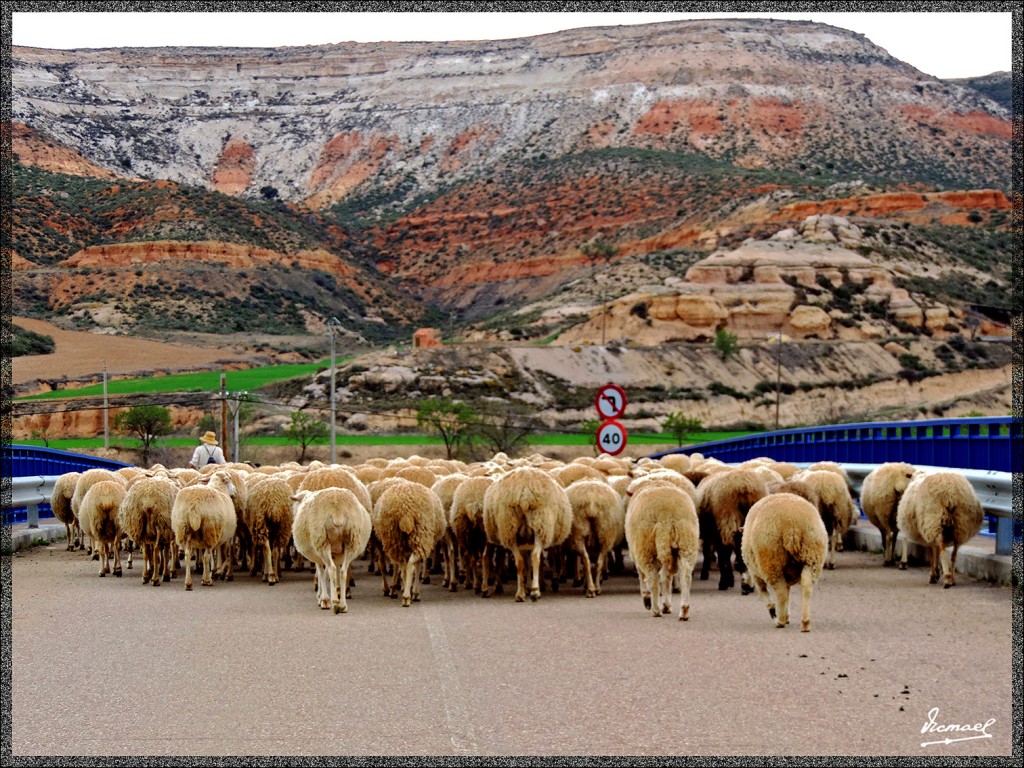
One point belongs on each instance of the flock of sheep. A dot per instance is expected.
(782, 524)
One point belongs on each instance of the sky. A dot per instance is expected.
(944, 45)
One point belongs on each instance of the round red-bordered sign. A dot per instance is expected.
(611, 438)
(610, 401)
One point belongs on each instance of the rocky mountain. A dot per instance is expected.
(997, 86)
(400, 184)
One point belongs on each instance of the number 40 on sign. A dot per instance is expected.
(611, 438)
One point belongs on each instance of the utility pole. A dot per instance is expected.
(778, 376)
(332, 325)
(224, 410)
(106, 411)
(234, 432)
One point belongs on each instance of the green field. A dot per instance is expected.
(548, 439)
(204, 381)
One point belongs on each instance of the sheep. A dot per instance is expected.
(203, 516)
(85, 481)
(466, 523)
(527, 509)
(879, 496)
(97, 514)
(331, 528)
(679, 462)
(784, 543)
(268, 516)
(597, 526)
(417, 474)
(724, 498)
(938, 510)
(576, 472)
(445, 488)
(60, 504)
(665, 477)
(835, 504)
(662, 533)
(409, 521)
(145, 516)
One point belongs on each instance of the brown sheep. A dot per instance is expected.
(835, 505)
(409, 522)
(598, 519)
(725, 497)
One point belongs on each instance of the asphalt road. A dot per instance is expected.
(111, 667)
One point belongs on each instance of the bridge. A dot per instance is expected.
(111, 667)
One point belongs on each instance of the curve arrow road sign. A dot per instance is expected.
(610, 402)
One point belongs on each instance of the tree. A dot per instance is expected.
(148, 422)
(304, 429)
(680, 426)
(726, 343)
(504, 432)
(448, 418)
(268, 193)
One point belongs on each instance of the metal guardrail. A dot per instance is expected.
(975, 443)
(30, 493)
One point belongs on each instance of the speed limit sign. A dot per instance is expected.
(610, 402)
(611, 438)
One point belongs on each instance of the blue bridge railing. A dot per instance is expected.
(972, 443)
(29, 461)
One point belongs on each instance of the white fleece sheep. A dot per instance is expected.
(445, 488)
(939, 510)
(203, 516)
(97, 514)
(879, 497)
(724, 498)
(408, 521)
(784, 543)
(527, 509)
(331, 528)
(145, 517)
(268, 516)
(663, 537)
(85, 481)
(835, 505)
(60, 503)
(466, 523)
(598, 520)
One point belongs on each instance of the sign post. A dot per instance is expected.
(610, 402)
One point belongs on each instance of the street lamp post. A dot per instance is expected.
(332, 325)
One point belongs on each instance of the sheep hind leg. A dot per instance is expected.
(343, 581)
(685, 581)
(667, 580)
(269, 570)
(602, 560)
(781, 589)
(407, 579)
(806, 586)
(331, 569)
(654, 580)
(933, 576)
(645, 591)
(520, 568)
(208, 554)
(535, 569)
(147, 562)
(584, 560)
(188, 567)
(485, 575)
(948, 567)
(903, 558)
(117, 555)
